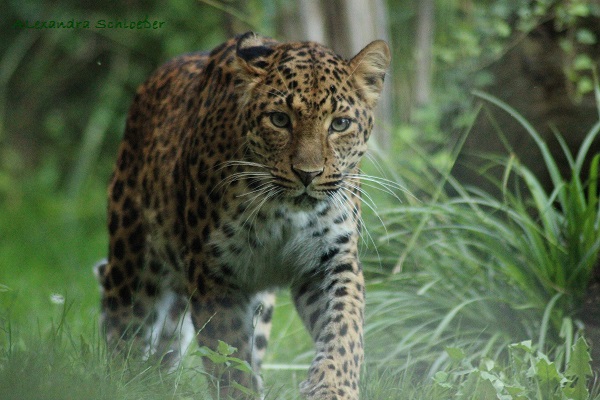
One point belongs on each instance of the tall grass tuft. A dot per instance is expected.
(488, 272)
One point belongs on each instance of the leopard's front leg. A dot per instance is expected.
(332, 308)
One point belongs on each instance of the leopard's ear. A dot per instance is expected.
(369, 67)
(252, 51)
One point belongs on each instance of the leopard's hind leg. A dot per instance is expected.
(142, 316)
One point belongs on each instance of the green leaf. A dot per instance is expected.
(212, 355)
(525, 346)
(517, 392)
(440, 377)
(242, 365)
(576, 392)
(225, 349)
(487, 365)
(585, 36)
(455, 353)
(578, 370)
(588, 141)
(579, 9)
(502, 28)
(592, 197)
(469, 386)
(546, 371)
(545, 325)
(583, 62)
(486, 390)
(585, 85)
(244, 389)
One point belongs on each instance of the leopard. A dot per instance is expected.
(238, 174)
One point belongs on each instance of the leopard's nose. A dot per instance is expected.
(306, 176)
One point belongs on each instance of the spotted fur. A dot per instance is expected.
(237, 175)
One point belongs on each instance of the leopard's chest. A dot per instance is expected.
(279, 246)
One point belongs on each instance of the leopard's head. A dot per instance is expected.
(307, 114)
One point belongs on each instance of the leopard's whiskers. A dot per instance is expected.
(382, 184)
(257, 194)
(259, 189)
(344, 203)
(365, 236)
(243, 163)
(226, 182)
(269, 191)
(366, 199)
(269, 194)
(243, 174)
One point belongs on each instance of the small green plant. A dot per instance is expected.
(224, 362)
(530, 375)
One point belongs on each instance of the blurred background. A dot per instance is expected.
(65, 92)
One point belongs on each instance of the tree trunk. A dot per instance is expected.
(424, 51)
(312, 21)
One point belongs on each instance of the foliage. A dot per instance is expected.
(471, 38)
(64, 363)
(50, 77)
(475, 34)
(480, 272)
(568, 217)
(224, 361)
(530, 375)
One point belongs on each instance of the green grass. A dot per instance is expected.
(486, 305)
(63, 363)
(49, 244)
(482, 273)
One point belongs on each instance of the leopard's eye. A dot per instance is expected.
(280, 120)
(339, 124)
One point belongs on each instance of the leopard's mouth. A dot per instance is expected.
(302, 196)
(310, 199)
